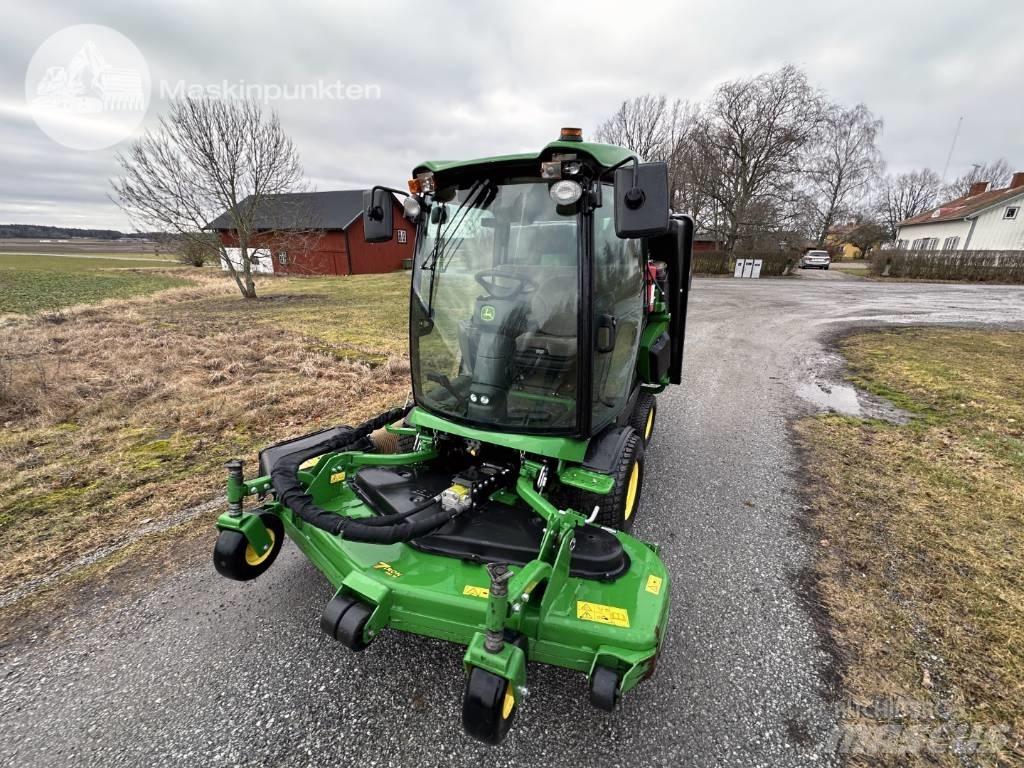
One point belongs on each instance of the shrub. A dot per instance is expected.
(970, 266)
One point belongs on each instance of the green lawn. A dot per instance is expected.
(920, 532)
(32, 283)
(127, 412)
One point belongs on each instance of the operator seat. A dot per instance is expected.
(553, 315)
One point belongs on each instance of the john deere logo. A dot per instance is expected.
(487, 313)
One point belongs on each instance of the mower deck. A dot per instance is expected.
(585, 596)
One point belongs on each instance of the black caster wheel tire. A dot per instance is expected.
(234, 557)
(604, 688)
(488, 706)
(644, 417)
(345, 619)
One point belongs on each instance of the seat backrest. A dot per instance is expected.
(555, 305)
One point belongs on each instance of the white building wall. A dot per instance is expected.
(259, 258)
(940, 230)
(994, 233)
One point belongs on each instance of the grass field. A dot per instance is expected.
(120, 415)
(921, 541)
(32, 283)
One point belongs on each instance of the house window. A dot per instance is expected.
(901, 245)
(951, 243)
(401, 236)
(282, 258)
(1011, 212)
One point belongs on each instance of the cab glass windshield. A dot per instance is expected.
(495, 307)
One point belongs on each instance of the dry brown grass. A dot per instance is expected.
(124, 412)
(921, 543)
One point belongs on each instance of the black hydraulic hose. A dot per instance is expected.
(386, 529)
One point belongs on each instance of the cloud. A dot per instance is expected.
(463, 80)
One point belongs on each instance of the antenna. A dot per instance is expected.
(952, 146)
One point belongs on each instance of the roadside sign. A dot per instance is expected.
(755, 270)
(739, 268)
(748, 265)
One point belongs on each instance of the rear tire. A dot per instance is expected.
(644, 416)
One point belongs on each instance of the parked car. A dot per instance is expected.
(819, 259)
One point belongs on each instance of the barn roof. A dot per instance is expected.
(301, 210)
(965, 207)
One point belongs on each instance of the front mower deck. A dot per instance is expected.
(571, 612)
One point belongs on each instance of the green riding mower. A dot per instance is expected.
(547, 310)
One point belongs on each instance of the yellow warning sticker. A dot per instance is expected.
(602, 614)
(654, 584)
(475, 591)
(382, 566)
(337, 477)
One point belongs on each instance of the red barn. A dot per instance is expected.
(318, 233)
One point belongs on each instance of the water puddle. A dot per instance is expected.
(841, 398)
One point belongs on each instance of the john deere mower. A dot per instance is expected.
(547, 310)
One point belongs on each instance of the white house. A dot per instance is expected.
(982, 220)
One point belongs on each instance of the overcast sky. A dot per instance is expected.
(458, 80)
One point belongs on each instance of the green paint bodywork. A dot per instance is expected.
(447, 598)
(606, 155)
(565, 448)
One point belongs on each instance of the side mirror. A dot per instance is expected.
(641, 200)
(378, 210)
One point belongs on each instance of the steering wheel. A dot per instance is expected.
(489, 278)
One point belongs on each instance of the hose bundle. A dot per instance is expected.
(386, 529)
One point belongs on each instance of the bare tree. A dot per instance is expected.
(841, 164)
(997, 173)
(208, 158)
(644, 124)
(655, 129)
(744, 149)
(906, 195)
(867, 232)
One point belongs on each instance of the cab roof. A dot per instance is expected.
(605, 155)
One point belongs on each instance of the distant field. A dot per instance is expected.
(35, 283)
(84, 246)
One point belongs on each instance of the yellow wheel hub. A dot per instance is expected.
(634, 484)
(507, 703)
(252, 557)
(650, 424)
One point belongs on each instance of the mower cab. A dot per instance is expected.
(547, 310)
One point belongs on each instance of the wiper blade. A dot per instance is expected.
(475, 195)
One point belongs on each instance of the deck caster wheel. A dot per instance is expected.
(488, 706)
(235, 558)
(345, 619)
(604, 688)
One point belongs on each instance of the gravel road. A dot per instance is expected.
(196, 670)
